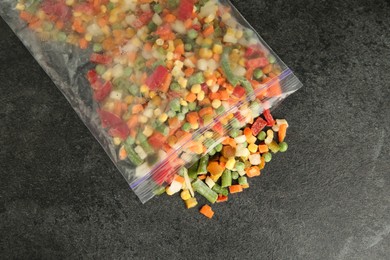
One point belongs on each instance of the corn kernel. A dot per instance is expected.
(200, 96)
(170, 55)
(148, 131)
(185, 195)
(226, 16)
(183, 102)
(270, 137)
(152, 94)
(241, 62)
(275, 128)
(239, 34)
(209, 18)
(217, 49)
(230, 163)
(69, 2)
(117, 140)
(144, 88)
(171, 46)
(191, 202)
(208, 134)
(195, 126)
(205, 53)
(156, 101)
(129, 99)
(182, 82)
(252, 148)
(157, 112)
(88, 37)
(168, 191)
(142, 119)
(215, 178)
(216, 103)
(103, 9)
(20, 7)
(163, 117)
(251, 139)
(196, 88)
(107, 75)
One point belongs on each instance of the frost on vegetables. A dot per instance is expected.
(174, 80)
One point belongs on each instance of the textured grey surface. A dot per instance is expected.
(327, 198)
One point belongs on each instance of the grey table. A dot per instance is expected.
(328, 197)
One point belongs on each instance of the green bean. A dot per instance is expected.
(204, 190)
(203, 162)
(226, 178)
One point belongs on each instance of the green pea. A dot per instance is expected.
(152, 26)
(234, 133)
(271, 59)
(171, 113)
(175, 86)
(258, 73)
(235, 123)
(283, 147)
(235, 175)
(100, 69)
(261, 136)
(61, 36)
(218, 148)
(127, 72)
(188, 47)
(97, 47)
(240, 166)
(192, 106)
(212, 152)
(180, 117)
(192, 34)
(267, 157)
(157, 8)
(184, 110)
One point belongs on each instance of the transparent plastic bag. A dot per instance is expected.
(158, 83)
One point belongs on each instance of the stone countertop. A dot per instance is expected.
(328, 197)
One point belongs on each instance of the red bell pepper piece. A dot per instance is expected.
(253, 50)
(109, 119)
(222, 198)
(143, 19)
(84, 8)
(239, 92)
(196, 27)
(120, 130)
(268, 117)
(92, 76)
(102, 93)
(239, 116)
(257, 62)
(57, 9)
(163, 30)
(185, 9)
(157, 139)
(163, 173)
(100, 58)
(258, 125)
(218, 127)
(157, 77)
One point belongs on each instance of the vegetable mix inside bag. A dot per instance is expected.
(159, 83)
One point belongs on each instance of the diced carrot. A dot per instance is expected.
(170, 18)
(274, 90)
(262, 163)
(214, 168)
(179, 49)
(235, 188)
(216, 57)
(267, 69)
(188, 24)
(83, 43)
(132, 122)
(122, 153)
(202, 177)
(137, 108)
(224, 95)
(208, 31)
(253, 171)
(26, 16)
(207, 211)
(205, 111)
(102, 21)
(118, 109)
(173, 122)
(191, 97)
(263, 148)
(189, 71)
(59, 25)
(282, 132)
(247, 131)
(167, 82)
(192, 117)
(178, 178)
(196, 147)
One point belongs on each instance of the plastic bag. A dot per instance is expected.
(158, 83)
